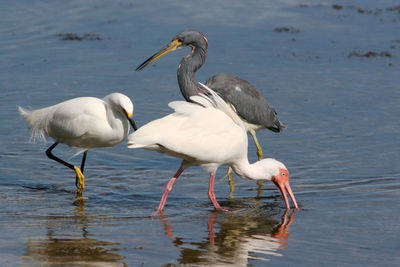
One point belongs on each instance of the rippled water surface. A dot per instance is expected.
(330, 71)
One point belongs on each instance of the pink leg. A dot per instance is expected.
(211, 194)
(168, 189)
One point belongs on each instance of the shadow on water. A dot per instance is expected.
(61, 251)
(235, 238)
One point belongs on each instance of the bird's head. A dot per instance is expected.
(191, 38)
(281, 180)
(276, 171)
(123, 104)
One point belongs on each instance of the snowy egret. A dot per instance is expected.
(83, 122)
(248, 102)
(208, 135)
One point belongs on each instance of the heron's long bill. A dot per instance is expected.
(172, 46)
(285, 187)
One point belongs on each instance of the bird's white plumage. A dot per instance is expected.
(83, 122)
(209, 135)
(201, 135)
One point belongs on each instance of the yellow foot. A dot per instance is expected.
(231, 183)
(80, 178)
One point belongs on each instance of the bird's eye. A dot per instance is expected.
(180, 40)
(283, 173)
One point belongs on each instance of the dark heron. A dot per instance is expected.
(246, 100)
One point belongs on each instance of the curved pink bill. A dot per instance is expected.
(285, 187)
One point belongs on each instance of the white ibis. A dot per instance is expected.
(207, 133)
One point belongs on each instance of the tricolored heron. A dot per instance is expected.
(208, 135)
(248, 102)
(83, 122)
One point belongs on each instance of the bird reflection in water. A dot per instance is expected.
(57, 249)
(242, 236)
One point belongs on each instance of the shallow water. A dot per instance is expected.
(309, 59)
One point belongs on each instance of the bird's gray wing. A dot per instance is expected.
(247, 100)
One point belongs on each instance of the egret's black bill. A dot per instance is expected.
(133, 124)
(130, 119)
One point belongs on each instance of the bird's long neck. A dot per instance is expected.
(186, 71)
(244, 169)
(119, 126)
(256, 171)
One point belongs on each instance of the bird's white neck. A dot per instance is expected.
(119, 126)
(260, 170)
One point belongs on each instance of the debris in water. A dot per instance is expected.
(77, 37)
(369, 54)
(287, 29)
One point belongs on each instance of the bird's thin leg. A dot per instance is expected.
(80, 178)
(51, 156)
(231, 182)
(260, 157)
(259, 149)
(83, 160)
(211, 194)
(168, 189)
(69, 165)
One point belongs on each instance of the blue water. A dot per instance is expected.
(342, 144)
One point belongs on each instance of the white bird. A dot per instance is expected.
(83, 122)
(208, 134)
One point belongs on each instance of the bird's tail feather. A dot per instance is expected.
(37, 122)
(212, 99)
(278, 126)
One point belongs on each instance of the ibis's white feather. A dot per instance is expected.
(216, 101)
(207, 133)
(201, 133)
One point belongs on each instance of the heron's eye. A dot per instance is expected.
(180, 40)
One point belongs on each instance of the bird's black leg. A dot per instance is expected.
(51, 156)
(80, 183)
(83, 160)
